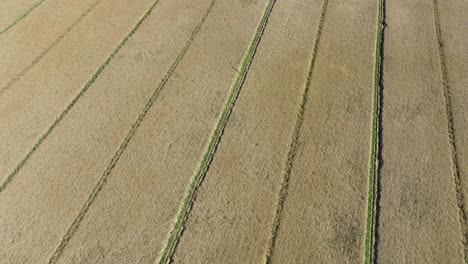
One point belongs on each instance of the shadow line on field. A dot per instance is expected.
(186, 207)
(23, 15)
(83, 90)
(105, 175)
(46, 50)
(451, 132)
(294, 142)
(380, 144)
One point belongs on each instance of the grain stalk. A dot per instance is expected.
(451, 132)
(23, 15)
(105, 175)
(294, 142)
(46, 50)
(76, 98)
(187, 203)
(376, 143)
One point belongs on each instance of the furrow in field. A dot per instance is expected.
(34, 105)
(283, 193)
(187, 203)
(375, 164)
(238, 197)
(13, 11)
(323, 219)
(102, 180)
(133, 210)
(26, 44)
(451, 23)
(419, 216)
(65, 170)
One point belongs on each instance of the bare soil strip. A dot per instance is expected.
(27, 44)
(373, 201)
(324, 214)
(134, 211)
(419, 217)
(453, 54)
(69, 163)
(59, 80)
(13, 11)
(237, 197)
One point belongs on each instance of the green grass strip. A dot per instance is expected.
(25, 14)
(373, 152)
(77, 97)
(208, 156)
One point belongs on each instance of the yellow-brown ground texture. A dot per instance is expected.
(233, 131)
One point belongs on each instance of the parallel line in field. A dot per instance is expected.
(294, 141)
(375, 162)
(450, 127)
(379, 158)
(102, 180)
(187, 203)
(77, 97)
(45, 51)
(18, 19)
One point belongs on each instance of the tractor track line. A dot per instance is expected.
(77, 97)
(25, 14)
(451, 132)
(103, 179)
(184, 212)
(379, 159)
(294, 141)
(375, 162)
(45, 51)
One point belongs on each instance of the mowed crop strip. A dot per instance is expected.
(97, 188)
(217, 133)
(26, 118)
(111, 101)
(418, 196)
(238, 195)
(192, 94)
(240, 131)
(176, 145)
(376, 143)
